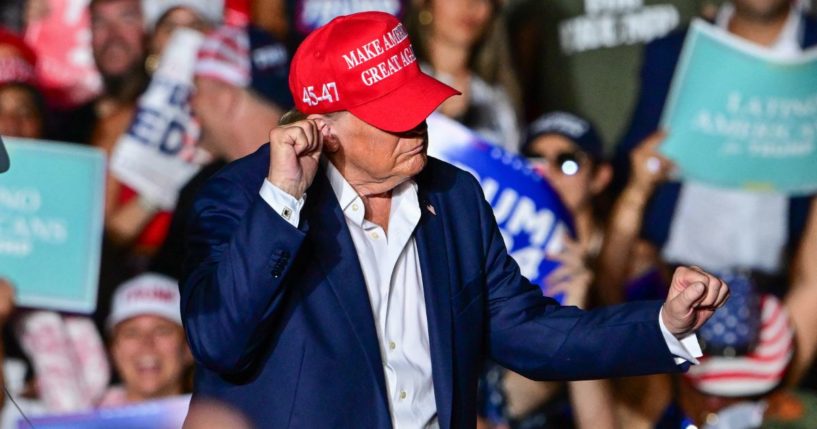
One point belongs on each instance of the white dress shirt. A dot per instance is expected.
(393, 276)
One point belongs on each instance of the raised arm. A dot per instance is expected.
(240, 249)
(802, 299)
(538, 338)
(231, 290)
(619, 256)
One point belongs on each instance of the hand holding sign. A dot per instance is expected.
(158, 154)
(649, 167)
(572, 278)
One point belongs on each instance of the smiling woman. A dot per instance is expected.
(147, 343)
(464, 44)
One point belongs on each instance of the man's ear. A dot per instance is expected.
(326, 125)
(230, 96)
(601, 178)
(224, 97)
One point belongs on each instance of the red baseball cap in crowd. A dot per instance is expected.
(18, 60)
(364, 63)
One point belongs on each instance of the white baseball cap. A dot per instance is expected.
(146, 294)
(211, 11)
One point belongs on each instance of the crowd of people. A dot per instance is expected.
(537, 80)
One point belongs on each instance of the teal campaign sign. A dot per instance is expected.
(741, 116)
(51, 216)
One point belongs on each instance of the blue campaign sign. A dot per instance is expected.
(159, 414)
(741, 116)
(51, 218)
(532, 218)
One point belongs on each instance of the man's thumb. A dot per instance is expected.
(691, 295)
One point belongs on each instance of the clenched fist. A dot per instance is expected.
(295, 152)
(693, 297)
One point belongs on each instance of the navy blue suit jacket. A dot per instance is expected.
(280, 324)
(660, 58)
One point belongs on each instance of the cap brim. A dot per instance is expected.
(407, 106)
(115, 319)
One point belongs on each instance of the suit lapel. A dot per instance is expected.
(337, 257)
(430, 238)
(336, 254)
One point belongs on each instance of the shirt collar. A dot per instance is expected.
(405, 201)
(350, 202)
(788, 42)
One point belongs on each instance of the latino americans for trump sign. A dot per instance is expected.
(741, 116)
(51, 217)
(531, 217)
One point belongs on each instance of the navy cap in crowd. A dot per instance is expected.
(574, 128)
(246, 58)
(269, 61)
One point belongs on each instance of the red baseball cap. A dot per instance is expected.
(364, 63)
(17, 65)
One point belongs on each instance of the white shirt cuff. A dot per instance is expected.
(282, 203)
(686, 349)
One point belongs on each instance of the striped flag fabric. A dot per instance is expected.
(756, 372)
(225, 55)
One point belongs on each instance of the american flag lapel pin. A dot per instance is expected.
(431, 209)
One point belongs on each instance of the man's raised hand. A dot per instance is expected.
(693, 297)
(295, 152)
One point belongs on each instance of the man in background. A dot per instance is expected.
(241, 89)
(118, 47)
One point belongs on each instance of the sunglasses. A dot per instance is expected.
(568, 163)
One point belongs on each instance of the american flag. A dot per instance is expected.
(225, 55)
(757, 372)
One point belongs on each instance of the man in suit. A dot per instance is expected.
(338, 277)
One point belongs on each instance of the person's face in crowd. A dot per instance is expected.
(460, 22)
(369, 156)
(762, 10)
(151, 355)
(173, 19)
(19, 112)
(209, 101)
(117, 36)
(570, 171)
